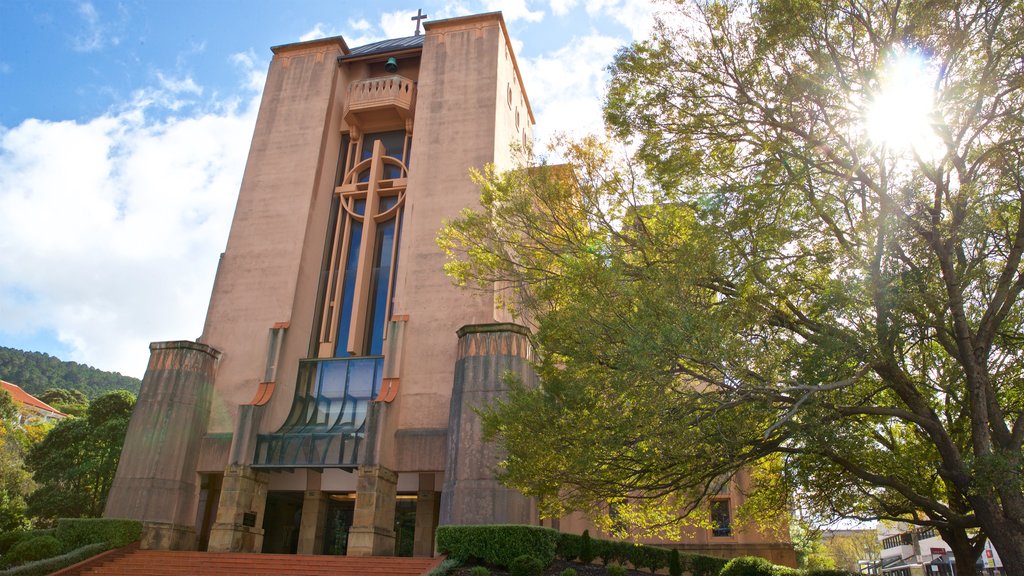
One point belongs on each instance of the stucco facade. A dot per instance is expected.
(328, 405)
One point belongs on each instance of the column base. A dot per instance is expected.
(371, 541)
(164, 536)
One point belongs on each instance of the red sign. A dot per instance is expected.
(938, 550)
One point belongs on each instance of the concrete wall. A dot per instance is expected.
(454, 131)
(277, 234)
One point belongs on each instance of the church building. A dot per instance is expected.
(328, 406)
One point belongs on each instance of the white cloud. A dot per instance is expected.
(398, 24)
(562, 7)
(514, 10)
(176, 85)
(91, 38)
(321, 30)
(360, 25)
(566, 86)
(113, 224)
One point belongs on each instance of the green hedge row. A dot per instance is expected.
(33, 548)
(641, 556)
(497, 544)
(51, 565)
(77, 532)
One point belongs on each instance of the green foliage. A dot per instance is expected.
(568, 572)
(675, 568)
(755, 566)
(526, 565)
(51, 565)
(479, 571)
(15, 481)
(586, 554)
(75, 463)
(446, 567)
(498, 545)
(767, 283)
(569, 545)
(34, 548)
(36, 373)
(616, 570)
(77, 532)
(71, 402)
(705, 565)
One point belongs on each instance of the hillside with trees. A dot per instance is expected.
(36, 372)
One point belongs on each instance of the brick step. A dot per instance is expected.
(163, 563)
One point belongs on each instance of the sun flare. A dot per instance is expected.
(899, 116)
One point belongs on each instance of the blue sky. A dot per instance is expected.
(124, 127)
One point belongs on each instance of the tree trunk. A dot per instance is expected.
(965, 552)
(1009, 543)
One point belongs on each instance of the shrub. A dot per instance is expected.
(586, 554)
(9, 539)
(567, 572)
(526, 565)
(443, 569)
(616, 570)
(568, 546)
(77, 532)
(675, 568)
(499, 544)
(479, 571)
(749, 566)
(51, 565)
(35, 548)
(706, 565)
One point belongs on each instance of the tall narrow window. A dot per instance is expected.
(721, 518)
(361, 285)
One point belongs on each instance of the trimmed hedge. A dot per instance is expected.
(699, 565)
(9, 539)
(51, 565)
(755, 566)
(35, 548)
(497, 544)
(77, 532)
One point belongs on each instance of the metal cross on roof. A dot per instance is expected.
(419, 16)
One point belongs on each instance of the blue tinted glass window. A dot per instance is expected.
(355, 236)
(379, 286)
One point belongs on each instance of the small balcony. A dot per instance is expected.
(380, 103)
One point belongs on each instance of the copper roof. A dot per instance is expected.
(22, 397)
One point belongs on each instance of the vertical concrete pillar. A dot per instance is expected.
(243, 500)
(373, 524)
(156, 480)
(428, 502)
(471, 494)
(314, 515)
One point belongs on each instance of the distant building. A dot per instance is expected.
(31, 410)
(909, 550)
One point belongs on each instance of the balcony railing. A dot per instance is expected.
(327, 423)
(379, 100)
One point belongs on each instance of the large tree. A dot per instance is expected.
(75, 463)
(805, 280)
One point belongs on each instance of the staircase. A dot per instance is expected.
(165, 563)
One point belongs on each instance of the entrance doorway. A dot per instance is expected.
(338, 515)
(405, 525)
(281, 522)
